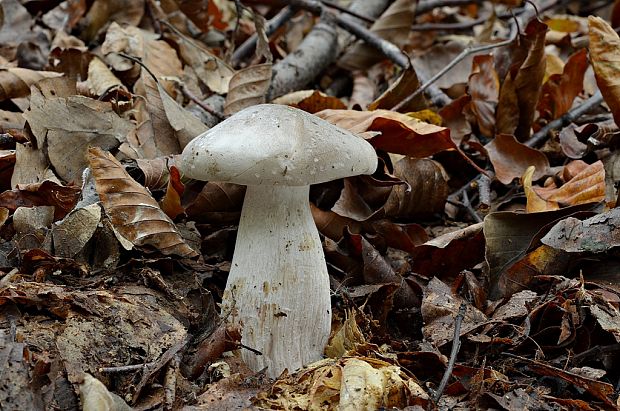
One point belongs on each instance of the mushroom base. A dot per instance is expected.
(278, 286)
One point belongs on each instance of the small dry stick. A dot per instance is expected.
(456, 345)
(187, 93)
(170, 382)
(484, 191)
(124, 368)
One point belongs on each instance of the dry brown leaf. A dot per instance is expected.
(393, 25)
(204, 14)
(16, 81)
(311, 101)
(185, 125)
(69, 126)
(31, 166)
(72, 233)
(510, 159)
(247, 88)
(100, 78)
(605, 58)
(401, 134)
(211, 70)
(483, 87)
(171, 203)
(134, 213)
(404, 85)
(127, 12)
(523, 83)
(535, 203)
(425, 194)
(587, 186)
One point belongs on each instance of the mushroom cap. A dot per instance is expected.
(276, 145)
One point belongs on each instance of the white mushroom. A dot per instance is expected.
(278, 286)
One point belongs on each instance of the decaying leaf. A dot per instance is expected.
(605, 57)
(135, 215)
(311, 101)
(483, 87)
(404, 85)
(400, 134)
(535, 203)
(247, 87)
(587, 186)
(16, 81)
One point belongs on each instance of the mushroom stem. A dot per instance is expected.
(278, 286)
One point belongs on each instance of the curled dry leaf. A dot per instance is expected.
(605, 58)
(510, 159)
(560, 90)
(186, 126)
(135, 215)
(400, 134)
(426, 191)
(483, 87)
(47, 193)
(311, 101)
(127, 12)
(16, 81)
(101, 79)
(217, 203)
(587, 186)
(171, 203)
(522, 85)
(393, 25)
(404, 86)
(247, 87)
(535, 203)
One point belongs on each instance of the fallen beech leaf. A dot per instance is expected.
(70, 125)
(393, 25)
(560, 90)
(94, 396)
(605, 58)
(75, 230)
(404, 85)
(311, 101)
(400, 134)
(135, 215)
(522, 85)
(186, 126)
(483, 87)
(204, 14)
(16, 81)
(454, 118)
(171, 203)
(217, 203)
(588, 186)
(119, 11)
(332, 224)
(101, 79)
(47, 193)
(156, 172)
(426, 191)
(247, 87)
(511, 159)
(535, 203)
(345, 340)
(363, 91)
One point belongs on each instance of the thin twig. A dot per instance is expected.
(470, 209)
(345, 10)
(187, 93)
(125, 368)
(463, 25)
(429, 5)
(567, 118)
(484, 192)
(456, 345)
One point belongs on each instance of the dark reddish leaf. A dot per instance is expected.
(510, 159)
(483, 88)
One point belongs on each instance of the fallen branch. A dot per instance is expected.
(456, 345)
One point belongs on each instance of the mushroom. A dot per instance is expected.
(278, 286)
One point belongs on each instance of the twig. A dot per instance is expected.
(456, 345)
(170, 382)
(187, 93)
(272, 25)
(469, 208)
(461, 25)
(484, 192)
(567, 118)
(125, 368)
(345, 10)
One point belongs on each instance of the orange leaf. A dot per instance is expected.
(400, 133)
(535, 203)
(588, 186)
(171, 203)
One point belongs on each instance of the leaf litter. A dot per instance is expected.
(492, 212)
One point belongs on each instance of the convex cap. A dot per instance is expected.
(276, 145)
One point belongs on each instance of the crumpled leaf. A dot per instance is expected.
(16, 81)
(346, 339)
(70, 125)
(72, 233)
(349, 384)
(535, 203)
(171, 203)
(523, 83)
(400, 133)
(560, 90)
(510, 159)
(101, 79)
(587, 186)
(135, 215)
(247, 87)
(404, 85)
(483, 87)
(605, 58)
(393, 25)
(46, 193)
